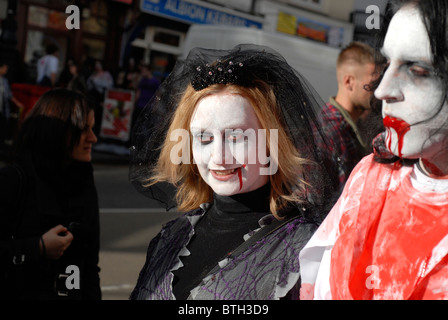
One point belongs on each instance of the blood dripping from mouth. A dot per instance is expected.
(401, 127)
(240, 176)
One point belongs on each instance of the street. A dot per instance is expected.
(128, 222)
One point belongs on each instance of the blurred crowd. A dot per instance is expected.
(89, 77)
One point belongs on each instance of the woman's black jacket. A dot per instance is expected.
(30, 205)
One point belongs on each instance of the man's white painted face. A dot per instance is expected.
(222, 150)
(411, 92)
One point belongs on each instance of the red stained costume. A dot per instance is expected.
(386, 238)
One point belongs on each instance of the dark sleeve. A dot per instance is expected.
(161, 256)
(92, 289)
(18, 250)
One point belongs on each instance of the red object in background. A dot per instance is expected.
(28, 94)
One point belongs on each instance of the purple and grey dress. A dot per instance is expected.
(190, 258)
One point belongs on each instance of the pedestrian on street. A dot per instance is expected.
(236, 132)
(49, 216)
(97, 85)
(350, 108)
(47, 67)
(147, 86)
(6, 97)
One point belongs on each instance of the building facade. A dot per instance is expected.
(121, 32)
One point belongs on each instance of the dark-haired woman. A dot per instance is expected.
(49, 229)
(387, 236)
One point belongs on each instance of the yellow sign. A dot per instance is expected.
(286, 23)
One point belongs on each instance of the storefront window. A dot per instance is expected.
(99, 8)
(94, 25)
(169, 38)
(36, 44)
(315, 4)
(46, 18)
(94, 48)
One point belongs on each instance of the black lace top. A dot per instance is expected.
(221, 230)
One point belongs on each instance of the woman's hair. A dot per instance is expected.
(435, 14)
(192, 190)
(53, 128)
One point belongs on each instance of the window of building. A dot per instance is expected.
(310, 4)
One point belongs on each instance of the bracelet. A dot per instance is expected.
(44, 252)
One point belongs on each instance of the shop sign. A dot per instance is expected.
(117, 114)
(307, 28)
(196, 13)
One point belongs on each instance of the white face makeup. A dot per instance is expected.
(411, 92)
(220, 150)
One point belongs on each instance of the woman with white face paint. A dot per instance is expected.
(386, 238)
(235, 132)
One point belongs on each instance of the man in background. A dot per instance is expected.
(351, 106)
(47, 67)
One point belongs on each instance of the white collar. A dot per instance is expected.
(426, 184)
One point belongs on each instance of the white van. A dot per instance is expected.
(315, 61)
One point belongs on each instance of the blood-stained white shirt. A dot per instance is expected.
(386, 238)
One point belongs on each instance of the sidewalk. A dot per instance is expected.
(110, 154)
(97, 157)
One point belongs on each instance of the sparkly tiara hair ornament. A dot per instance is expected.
(220, 72)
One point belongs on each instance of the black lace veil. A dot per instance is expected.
(300, 109)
